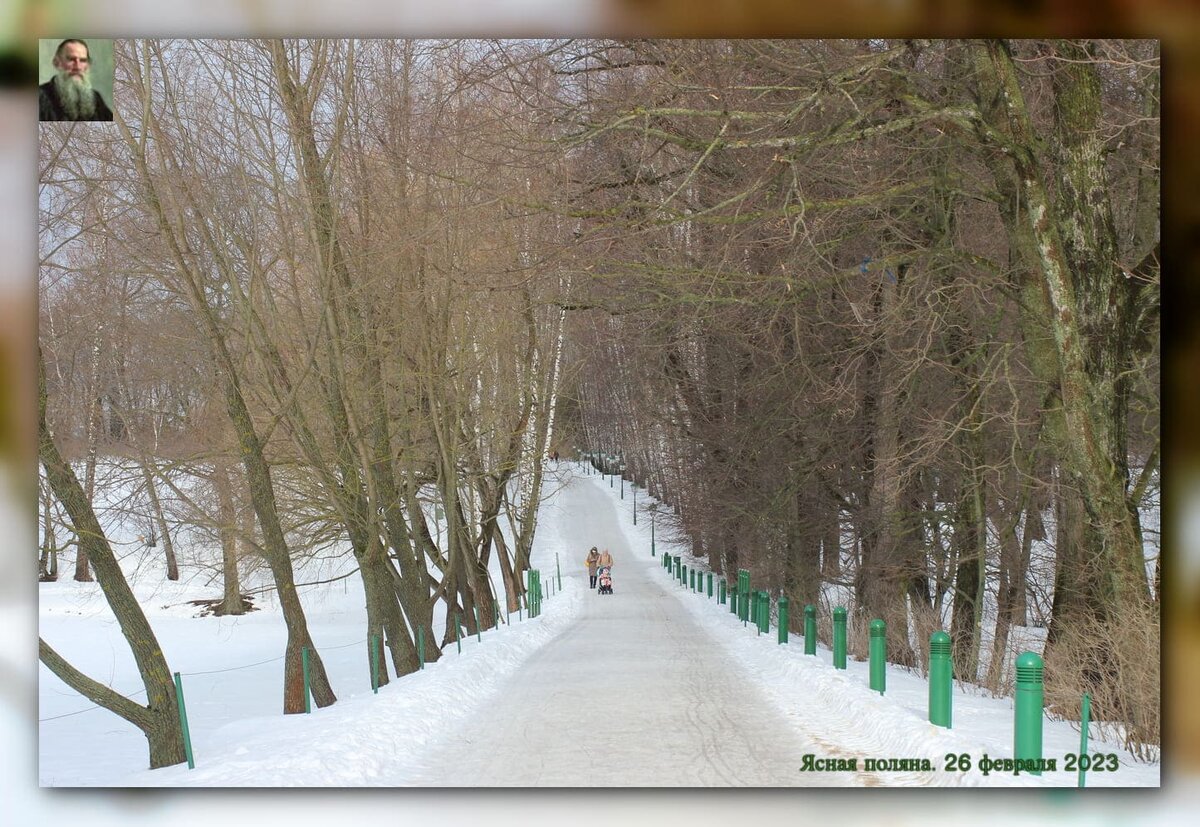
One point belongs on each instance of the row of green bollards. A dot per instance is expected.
(1027, 728)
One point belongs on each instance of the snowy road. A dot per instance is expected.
(633, 693)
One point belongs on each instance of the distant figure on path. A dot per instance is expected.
(69, 96)
(592, 561)
(605, 559)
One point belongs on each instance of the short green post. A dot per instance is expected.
(744, 603)
(558, 569)
(1085, 713)
(810, 629)
(839, 637)
(941, 680)
(183, 723)
(1027, 724)
(683, 572)
(733, 598)
(375, 664)
(478, 629)
(764, 612)
(710, 584)
(721, 592)
(457, 635)
(307, 686)
(878, 668)
(495, 615)
(783, 619)
(756, 610)
(420, 647)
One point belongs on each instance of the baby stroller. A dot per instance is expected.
(605, 580)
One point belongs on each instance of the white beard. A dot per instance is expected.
(78, 102)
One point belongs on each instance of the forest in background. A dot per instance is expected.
(876, 314)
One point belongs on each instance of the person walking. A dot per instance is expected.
(592, 561)
(605, 560)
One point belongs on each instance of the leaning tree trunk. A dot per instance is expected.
(160, 522)
(159, 719)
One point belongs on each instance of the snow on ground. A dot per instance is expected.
(652, 686)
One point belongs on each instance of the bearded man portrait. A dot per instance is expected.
(68, 95)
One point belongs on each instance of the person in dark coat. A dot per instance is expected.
(69, 96)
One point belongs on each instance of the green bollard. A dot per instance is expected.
(558, 568)
(764, 612)
(733, 609)
(478, 629)
(457, 636)
(420, 647)
(710, 578)
(375, 664)
(783, 620)
(744, 603)
(1027, 722)
(756, 610)
(495, 615)
(878, 668)
(839, 637)
(692, 579)
(941, 680)
(683, 572)
(810, 630)
(187, 735)
(721, 592)
(1084, 714)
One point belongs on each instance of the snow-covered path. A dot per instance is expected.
(633, 693)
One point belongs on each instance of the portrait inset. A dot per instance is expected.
(76, 80)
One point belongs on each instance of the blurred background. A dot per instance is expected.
(1175, 22)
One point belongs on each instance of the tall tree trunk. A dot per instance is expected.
(82, 572)
(883, 575)
(160, 521)
(48, 559)
(228, 530)
(971, 539)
